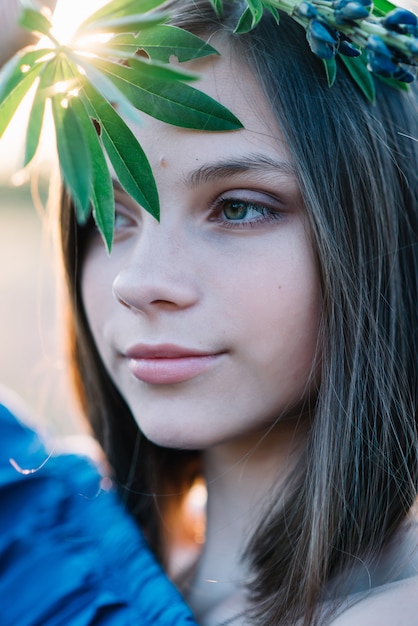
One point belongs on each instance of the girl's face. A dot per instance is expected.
(207, 322)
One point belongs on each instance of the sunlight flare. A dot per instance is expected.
(66, 18)
(69, 14)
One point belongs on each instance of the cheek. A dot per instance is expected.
(280, 286)
(279, 313)
(97, 295)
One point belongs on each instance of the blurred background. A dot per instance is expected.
(32, 357)
(32, 360)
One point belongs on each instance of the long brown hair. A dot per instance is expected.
(357, 165)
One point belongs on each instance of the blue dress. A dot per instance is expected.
(69, 553)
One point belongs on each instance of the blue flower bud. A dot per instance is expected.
(376, 45)
(400, 16)
(322, 39)
(306, 10)
(321, 49)
(351, 11)
(412, 46)
(389, 68)
(401, 21)
(323, 33)
(403, 75)
(381, 64)
(339, 4)
(347, 49)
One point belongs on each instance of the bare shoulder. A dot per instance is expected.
(393, 603)
(393, 597)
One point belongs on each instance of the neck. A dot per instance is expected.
(240, 476)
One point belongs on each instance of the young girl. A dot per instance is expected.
(263, 335)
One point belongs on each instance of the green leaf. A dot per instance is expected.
(330, 70)
(245, 22)
(382, 7)
(164, 41)
(118, 8)
(104, 220)
(74, 156)
(123, 24)
(157, 71)
(125, 153)
(257, 9)
(43, 92)
(123, 16)
(168, 101)
(118, 47)
(101, 191)
(35, 21)
(19, 66)
(217, 7)
(250, 17)
(275, 13)
(109, 91)
(395, 84)
(101, 187)
(357, 67)
(11, 102)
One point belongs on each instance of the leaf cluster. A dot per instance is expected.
(95, 85)
(400, 46)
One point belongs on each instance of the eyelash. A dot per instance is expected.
(267, 215)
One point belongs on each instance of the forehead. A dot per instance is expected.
(229, 81)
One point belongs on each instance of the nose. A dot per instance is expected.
(157, 274)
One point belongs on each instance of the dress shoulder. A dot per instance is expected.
(69, 552)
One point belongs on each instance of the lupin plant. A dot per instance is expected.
(98, 82)
(369, 38)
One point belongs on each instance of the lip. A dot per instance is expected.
(168, 364)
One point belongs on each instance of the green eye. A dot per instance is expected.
(234, 210)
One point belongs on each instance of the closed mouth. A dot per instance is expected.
(169, 364)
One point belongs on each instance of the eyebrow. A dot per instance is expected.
(210, 172)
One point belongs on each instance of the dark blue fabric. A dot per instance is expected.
(69, 553)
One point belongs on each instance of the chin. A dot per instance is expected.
(183, 436)
(168, 435)
(175, 443)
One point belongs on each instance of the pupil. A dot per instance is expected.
(235, 210)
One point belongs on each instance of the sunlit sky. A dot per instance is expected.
(67, 15)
